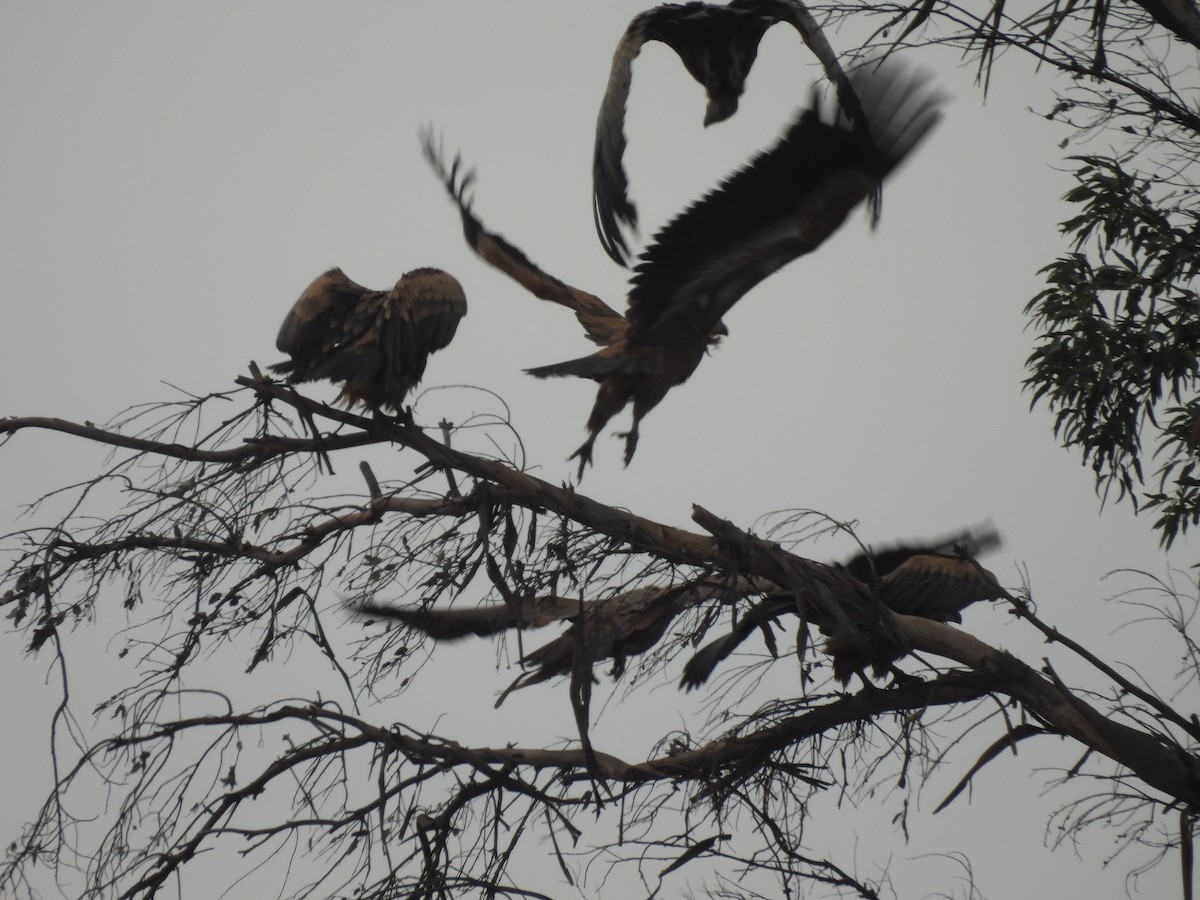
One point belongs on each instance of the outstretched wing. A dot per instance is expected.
(869, 565)
(795, 13)
(603, 324)
(918, 579)
(493, 618)
(759, 617)
(318, 323)
(378, 347)
(938, 587)
(782, 205)
(716, 44)
(425, 308)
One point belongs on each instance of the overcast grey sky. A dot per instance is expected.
(173, 176)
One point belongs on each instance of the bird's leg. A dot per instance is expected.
(581, 703)
(447, 426)
(402, 416)
(310, 425)
(322, 455)
(631, 440)
(584, 454)
(900, 678)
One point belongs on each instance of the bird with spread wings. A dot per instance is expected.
(783, 204)
(718, 46)
(614, 627)
(934, 580)
(375, 343)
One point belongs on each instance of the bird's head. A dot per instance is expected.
(720, 107)
(723, 63)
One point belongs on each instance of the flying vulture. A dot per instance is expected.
(783, 204)
(376, 343)
(935, 581)
(718, 46)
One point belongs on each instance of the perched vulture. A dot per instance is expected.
(783, 204)
(935, 581)
(717, 45)
(376, 343)
(615, 627)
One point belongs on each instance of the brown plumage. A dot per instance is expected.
(717, 45)
(615, 627)
(935, 580)
(625, 368)
(782, 205)
(459, 622)
(601, 323)
(375, 343)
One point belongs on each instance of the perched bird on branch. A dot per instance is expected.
(617, 627)
(717, 45)
(934, 580)
(614, 628)
(783, 204)
(375, 343)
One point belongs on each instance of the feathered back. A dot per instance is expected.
(376, 344)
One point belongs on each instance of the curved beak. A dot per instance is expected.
(720, 108)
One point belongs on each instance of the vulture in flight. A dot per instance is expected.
(717, 45)
(375, 343)
(935, 581)
(780, 206)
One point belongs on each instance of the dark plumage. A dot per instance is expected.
(375, 343)
(717, 45)
(935, 581)
(483, 621)
(615, 627)
(648, 370)
(784, 204)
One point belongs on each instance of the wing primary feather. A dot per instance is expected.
(718, 45)
(783, 204)
(601, 322)
(611, 207)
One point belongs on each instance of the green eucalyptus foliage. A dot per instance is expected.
(1118, 349)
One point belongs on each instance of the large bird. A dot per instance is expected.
(717, 45)
(934, 580)
(375, 343)
(616, 627)
(782, 205)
